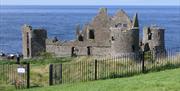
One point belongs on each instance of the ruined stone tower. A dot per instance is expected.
(124, 34)
(33, 41)
(153, 39)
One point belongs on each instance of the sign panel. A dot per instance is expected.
(21, 70)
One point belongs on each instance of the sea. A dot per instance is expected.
(61, 21)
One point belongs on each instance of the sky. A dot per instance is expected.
(90, 2)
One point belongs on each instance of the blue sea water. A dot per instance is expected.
(61, 21)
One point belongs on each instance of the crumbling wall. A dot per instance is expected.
(153, 40)
(154, 36)
(59, 51)
(33, 41)
(125, 41)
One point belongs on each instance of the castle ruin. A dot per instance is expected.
(104, 36)
(34, 41)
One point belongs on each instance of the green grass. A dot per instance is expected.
(5, 87)
(168, 80)
(39, 70)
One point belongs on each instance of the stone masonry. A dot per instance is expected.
(34, 41)
(104, 36)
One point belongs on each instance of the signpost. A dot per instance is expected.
(24, 73)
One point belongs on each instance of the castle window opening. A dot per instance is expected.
(80, 38)
(118, 25)
(73, 51)
(28, 52)
(133, 48)
(91, 34)
(124, 25)
(149, 36)
(27, 38)
(112, 38)
(149, 31)
(88, 50)
(158, 33)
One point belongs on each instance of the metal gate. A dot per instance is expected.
(15, 74)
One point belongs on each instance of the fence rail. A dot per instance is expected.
(113, 67)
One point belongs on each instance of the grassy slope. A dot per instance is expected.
(168, 80)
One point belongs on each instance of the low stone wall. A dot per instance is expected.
(59, 51)
(101, 51)
(64, 51)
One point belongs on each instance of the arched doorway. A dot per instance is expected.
(146, 47)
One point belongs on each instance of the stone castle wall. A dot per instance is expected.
(59, 51)
(38, 41)
(103, 36)
(26, 41)
(69, 50)
(125, 41)
(34, 41)
(154, 37)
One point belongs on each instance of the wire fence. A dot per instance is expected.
(15, 74)
(114, 67)
(89, 69)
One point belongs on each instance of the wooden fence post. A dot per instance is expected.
(51, 74)
(142, 59)
(60, 73)
(28, 75)
(95, 69)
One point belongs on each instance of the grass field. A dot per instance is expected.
(168, 80)
(40, 73)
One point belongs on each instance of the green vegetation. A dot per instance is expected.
(39, 73)
(40, 69)
(168, 80)
(5, 87)
(79, 69)
(44, 58)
